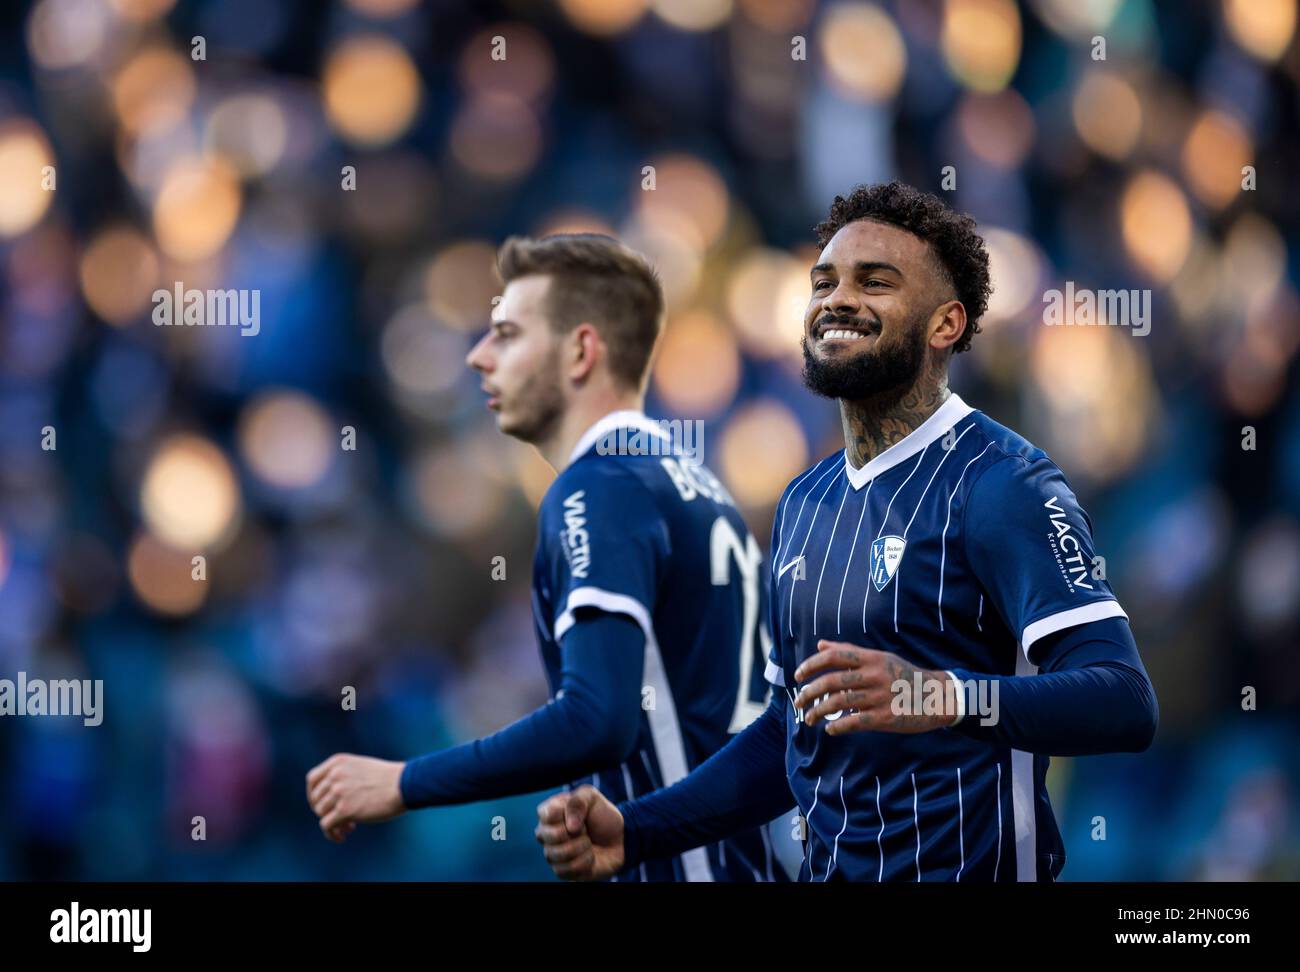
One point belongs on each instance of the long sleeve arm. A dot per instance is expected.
(1092, 695)
(592, 725)
(742, 785)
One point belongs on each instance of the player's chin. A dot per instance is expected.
(509, 424)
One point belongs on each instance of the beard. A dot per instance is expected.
(536, 409)
(887, 370)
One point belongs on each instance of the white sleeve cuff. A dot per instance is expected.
(961, 699)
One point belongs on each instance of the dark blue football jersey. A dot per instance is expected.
(958, 547)
(655, 536)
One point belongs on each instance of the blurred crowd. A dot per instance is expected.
(357, 164)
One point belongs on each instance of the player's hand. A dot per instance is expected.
(346, 790)
(581, 834)
(874, 690)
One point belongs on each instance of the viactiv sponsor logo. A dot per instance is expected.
(1066, 547)
(577, 542)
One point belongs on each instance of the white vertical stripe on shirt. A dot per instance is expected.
(881, 532)
(916, 821)
(898, 580)
(943, 557)
(802, 550)
(961, 826)
(808, 827)
(997, 861)
(797, 519)
(1022, 799)
(879, 846)
(829, 543)
(848, 564)
(835, 852)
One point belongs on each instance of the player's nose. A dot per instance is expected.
(842, 300)
(478, 357)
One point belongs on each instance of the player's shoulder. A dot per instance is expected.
(1007, 464)
(612, 481)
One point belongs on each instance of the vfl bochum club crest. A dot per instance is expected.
(886, 555)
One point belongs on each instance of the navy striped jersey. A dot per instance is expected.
(957, 547)
(655, 536)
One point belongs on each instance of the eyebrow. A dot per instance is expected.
(861, 266)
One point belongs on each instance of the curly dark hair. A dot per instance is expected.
(951, 236)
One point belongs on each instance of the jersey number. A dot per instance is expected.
(725, 546)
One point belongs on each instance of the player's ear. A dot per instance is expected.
(947, 325)
(583, 351)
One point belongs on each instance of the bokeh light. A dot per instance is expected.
(981, 42)
(693, 14)
(1107, 113)
(383, 8)
(998, 127)
(697, 367)
(767, 295)
(689, 197)
(1079, 19)
(762, 449)
(1217, 148)
(286, 439)
(496, 137)
(1102, 409)
(1015, 269)
(1157, 224)
(119, 273)
(154, 89)
(604, 18)
(189, 496)
(163, 577)
(460, 283)
(250, 132)
(526, 72)
(372, 90)
(141, 11)
(197, 208)
(24, 153)
(455, 497)
(423, 359)
(849, 29)
(67, 33)
(1262, 27)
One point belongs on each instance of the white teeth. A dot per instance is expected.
(841, 336)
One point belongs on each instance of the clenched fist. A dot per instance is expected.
(346, 790)
(581, 834)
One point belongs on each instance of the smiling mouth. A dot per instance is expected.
(832, 332)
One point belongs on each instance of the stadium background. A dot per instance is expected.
(372, 568)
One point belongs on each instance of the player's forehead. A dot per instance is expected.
(524, 299)
(870, 241)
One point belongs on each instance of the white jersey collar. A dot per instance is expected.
(944, 418)
(626, 418)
